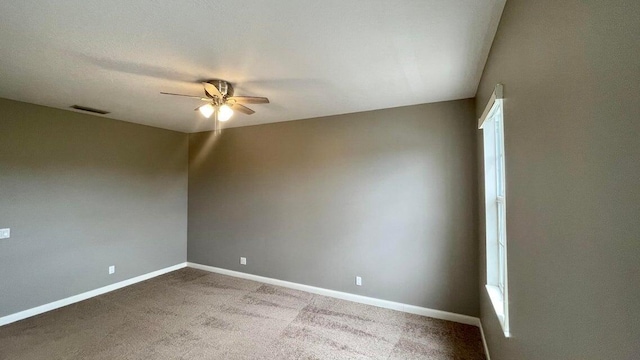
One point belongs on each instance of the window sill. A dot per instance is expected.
(498, 305)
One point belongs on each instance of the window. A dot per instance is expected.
(491, 123)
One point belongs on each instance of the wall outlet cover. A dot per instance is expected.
(358, 281)
(243, 261)
(5, 233)
(112, 269)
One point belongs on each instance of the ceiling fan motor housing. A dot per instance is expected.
(224, 87)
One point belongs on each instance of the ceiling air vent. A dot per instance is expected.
(88, 109)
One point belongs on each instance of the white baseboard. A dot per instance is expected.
(484, 342)
(86, 295)
(438, 314)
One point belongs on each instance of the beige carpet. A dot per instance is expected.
(192, 314)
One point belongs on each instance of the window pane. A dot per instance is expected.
(500, 175)
(499, 151)
(501, 221)
(501, 253)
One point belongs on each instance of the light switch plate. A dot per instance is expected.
(5, 233)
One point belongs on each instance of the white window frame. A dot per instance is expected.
(492, 124)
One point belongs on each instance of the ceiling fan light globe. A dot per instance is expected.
(224, 113)
(206, 110)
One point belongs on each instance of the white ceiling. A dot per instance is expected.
(310, 58)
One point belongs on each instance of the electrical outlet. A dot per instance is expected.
(112, 269)
(243, 261)
(358, 281)
(5, 233)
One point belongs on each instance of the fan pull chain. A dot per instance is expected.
(217, 129)
(216, 112)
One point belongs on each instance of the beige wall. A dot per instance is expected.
(80, 193)
(571, 75)
(388, 195)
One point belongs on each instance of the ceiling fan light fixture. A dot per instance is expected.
(206, 110)
(224, 112)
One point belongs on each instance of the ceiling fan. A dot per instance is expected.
(221, 102)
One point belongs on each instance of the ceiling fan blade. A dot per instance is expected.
(189, 96)
(249, 100)
(211, 90)
(243, 109)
